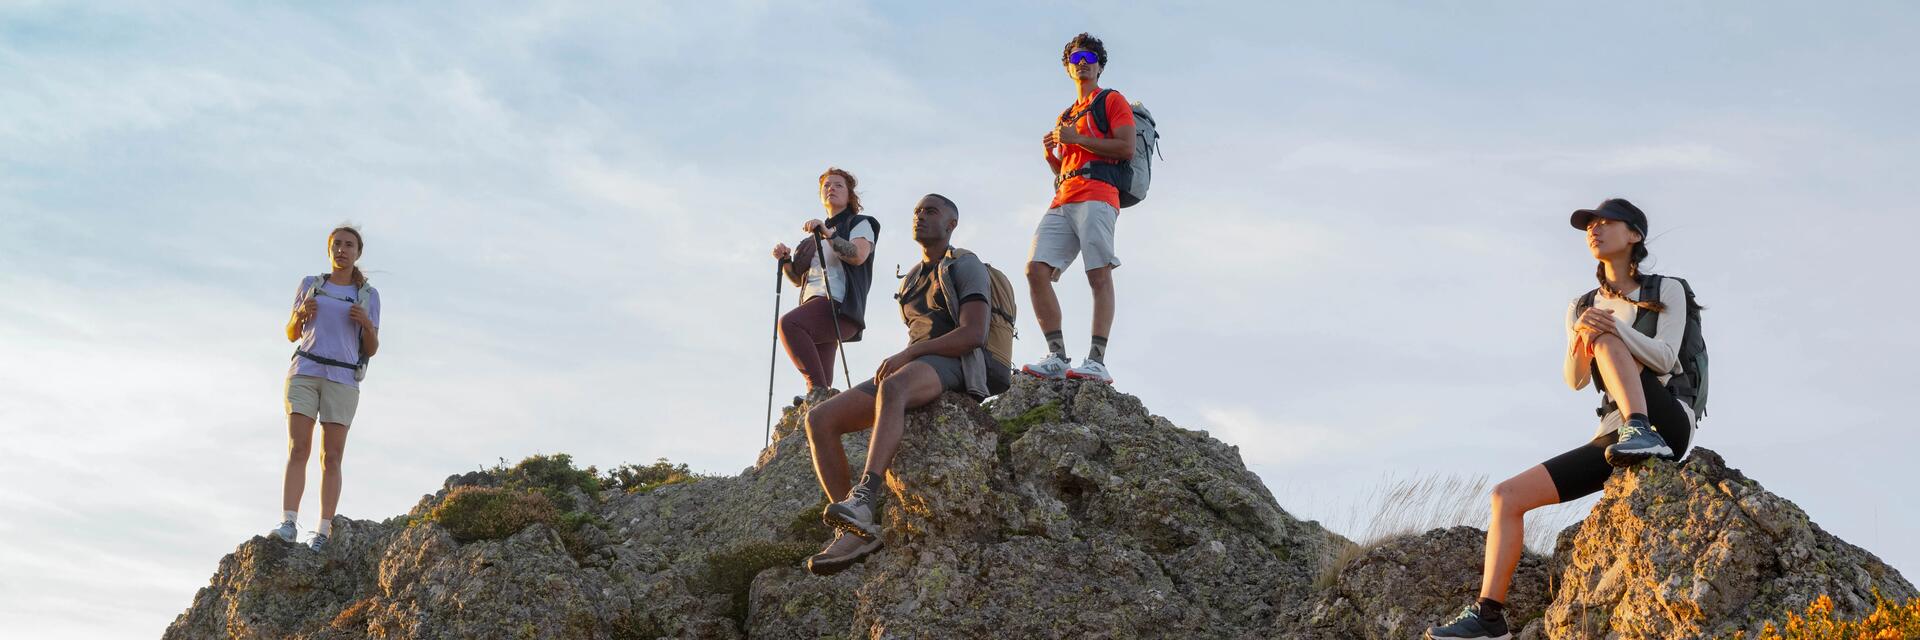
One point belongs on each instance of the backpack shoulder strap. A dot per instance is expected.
(1099, 108)
(1644, 321)
(1586, 301)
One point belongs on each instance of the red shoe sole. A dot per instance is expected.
(1073, 376)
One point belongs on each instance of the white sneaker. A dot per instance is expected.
(1052, 368)
(286, 532)
(1091, 370)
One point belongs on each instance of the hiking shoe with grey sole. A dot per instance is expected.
(287, 531)
(854, 515)
(1470, 626)
(846, 550)
(1637, 444)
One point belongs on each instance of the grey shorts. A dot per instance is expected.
(1073, 229)
(321, 399)
(999, 376)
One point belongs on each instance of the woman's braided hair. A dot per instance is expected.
(1635, 255)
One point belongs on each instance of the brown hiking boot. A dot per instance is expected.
(845, 550)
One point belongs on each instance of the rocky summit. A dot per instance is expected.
(1056, 510)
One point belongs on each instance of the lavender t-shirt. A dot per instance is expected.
(330, 334)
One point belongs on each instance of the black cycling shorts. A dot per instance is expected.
(1584, 470)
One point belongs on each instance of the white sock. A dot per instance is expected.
(290, 516)
(326, 527)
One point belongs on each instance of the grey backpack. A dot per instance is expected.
(1132, 177)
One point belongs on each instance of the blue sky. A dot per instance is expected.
(1353, 265)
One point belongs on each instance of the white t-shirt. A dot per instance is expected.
(835, 276)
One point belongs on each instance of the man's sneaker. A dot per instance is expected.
(854, 514)
(1052, 368)
(1469, 624)
(1091, 370)
(319, 542)
(845, 550)
(287, 532)
(1637, 444)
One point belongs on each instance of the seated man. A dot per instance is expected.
(945, 351)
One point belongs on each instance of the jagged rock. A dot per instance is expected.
(1060, 509)
(1697, 549)
(1399, 587)
(1069, 512)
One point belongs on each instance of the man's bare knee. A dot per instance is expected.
(1101, 277)
(1039, 273)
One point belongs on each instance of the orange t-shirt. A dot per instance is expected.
(1073, 156)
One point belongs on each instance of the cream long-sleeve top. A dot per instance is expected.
(1660, 354)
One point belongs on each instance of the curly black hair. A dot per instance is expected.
(1088, 42)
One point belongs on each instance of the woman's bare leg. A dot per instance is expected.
(299, 448)
(1506, 529)
(1621, 373)
(331, 455)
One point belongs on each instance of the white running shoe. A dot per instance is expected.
(1091, 370)
(287, 532)
(1052, 368)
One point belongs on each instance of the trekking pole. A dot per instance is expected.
(773, 353)
(832, 307)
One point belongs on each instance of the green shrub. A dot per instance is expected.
(731, 571)
(491, 513)
(552, 475)
(807, 526)
(633, 478)
(1018, 425)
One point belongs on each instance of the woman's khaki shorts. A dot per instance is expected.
(322, 399)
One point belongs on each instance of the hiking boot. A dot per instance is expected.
(1091, 370)
(815, 396)
(1052, 368)
(1469, 624)
(286, 532)
(855, 514)
(319, 542)
(1637, 444)
(845, 550)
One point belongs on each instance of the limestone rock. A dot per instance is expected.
(1399, 587)
(1697, 549)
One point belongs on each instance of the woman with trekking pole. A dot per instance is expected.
(1637, 336)
(336, 321)
(833, 270)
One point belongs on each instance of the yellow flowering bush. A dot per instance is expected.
(1889, 621)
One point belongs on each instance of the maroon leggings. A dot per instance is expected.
(807, 331)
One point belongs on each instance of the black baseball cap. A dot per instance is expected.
(1613, 209)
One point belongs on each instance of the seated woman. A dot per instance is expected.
(1641, 415)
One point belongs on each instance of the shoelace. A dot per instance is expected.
(1465, 613)
(1629, 431)
(861, 494)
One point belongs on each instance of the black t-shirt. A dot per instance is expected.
(923, 306)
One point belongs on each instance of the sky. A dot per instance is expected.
(1353, 264)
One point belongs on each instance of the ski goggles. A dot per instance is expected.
(1083, 57)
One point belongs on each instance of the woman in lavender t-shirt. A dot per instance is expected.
(336, 320)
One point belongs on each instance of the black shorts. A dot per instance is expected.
(999, 376)
(1584, 470)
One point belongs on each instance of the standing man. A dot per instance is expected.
(946, 302)
(1086, 204)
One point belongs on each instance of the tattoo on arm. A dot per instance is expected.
(844, 248)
